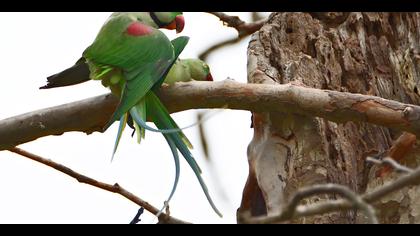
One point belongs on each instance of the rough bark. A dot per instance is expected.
(91, 114)
(368, 53)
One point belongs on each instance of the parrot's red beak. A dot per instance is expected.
(209, 77)
(177, 24)
(180, 23)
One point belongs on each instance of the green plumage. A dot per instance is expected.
(133, 66)
(143, 60)
(186, 70)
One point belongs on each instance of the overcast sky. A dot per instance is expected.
(36, 45)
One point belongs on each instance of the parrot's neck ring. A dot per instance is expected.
(155, 19)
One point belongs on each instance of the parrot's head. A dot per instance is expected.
(199, 70)
(169, 20)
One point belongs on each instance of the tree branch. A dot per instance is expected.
(400, 148)
(344, 191)
(387, 160)
(91, 114)
(242, 27)
(290, 209)
(407, 180)
(203, 56)
(116, 188)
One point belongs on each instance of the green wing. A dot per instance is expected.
(142, 79)
(178, 45)
(137, 86)
(163, 120)
(144, 59)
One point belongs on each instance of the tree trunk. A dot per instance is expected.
(367, 53)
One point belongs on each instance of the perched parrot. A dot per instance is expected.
(183, 70)
(80, 72)
(134, 57)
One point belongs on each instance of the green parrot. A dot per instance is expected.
(80, 73)
(135, 57)
(183, 70)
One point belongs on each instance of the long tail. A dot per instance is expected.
(123, 122)
(177, 171)
(76, 74)
(141, 111)
(163, 120)
(134, 112)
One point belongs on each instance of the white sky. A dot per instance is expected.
(36, 45)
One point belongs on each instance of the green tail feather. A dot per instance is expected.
(141, 111)
(139, 132)
(76, 74)
(163, 120)
(177, 171)
(141, 121)
(157, 107)
(123, 122)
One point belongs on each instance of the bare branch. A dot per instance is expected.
(400, 148)
(136, 218)
(242, 27)
(344, 191)
(91, 114)
(388, 160)
(290, 209)
(404, 181)
(407, 180)
(204, 55)
(203, 138)
(116, 188)
(87, 115)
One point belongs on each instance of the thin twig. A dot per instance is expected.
(406, 180)
(388, 160)
(399, 150)
(344, 191)
(203, 137)
(205, 54)
(116, 188)
(136, 218)
(290, 209)
(242, 27)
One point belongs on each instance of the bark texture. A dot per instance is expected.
(369, 53)
(90, 115)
